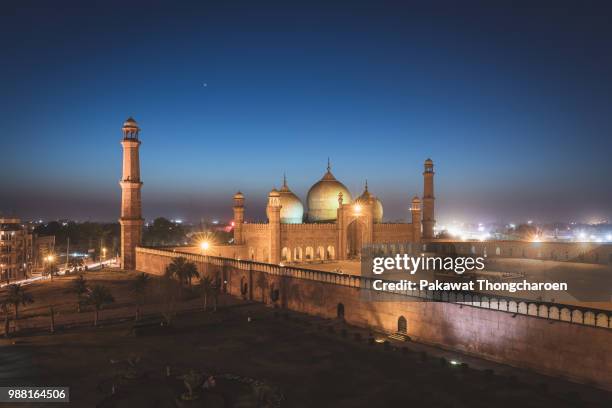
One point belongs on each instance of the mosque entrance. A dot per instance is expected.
(354, 233)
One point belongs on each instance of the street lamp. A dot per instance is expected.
(204, 245)
(104, 253)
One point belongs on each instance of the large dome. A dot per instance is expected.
(292, 210)
(323, 198)
(367, 197)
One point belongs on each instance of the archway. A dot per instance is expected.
(331, 253)
(402, 325)
(355, 237)
(309, 253)
(321, 253)
(286, 255)
(297, 254)
(340, 311)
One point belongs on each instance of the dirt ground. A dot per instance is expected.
(305, 361)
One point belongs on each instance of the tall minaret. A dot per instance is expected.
(131, 207)
(238, 217)
(273, 211)
(428, 200)
(415, 209)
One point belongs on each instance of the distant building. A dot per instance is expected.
(16, 255)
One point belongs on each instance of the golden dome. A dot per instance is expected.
(292, 210)
(367, 197)
(323, 198)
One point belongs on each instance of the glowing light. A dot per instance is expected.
(379, 340)
(204, 245)
(609, 237)
(357, 208)
(454, 362)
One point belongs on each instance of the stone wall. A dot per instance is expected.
(586, 252)
(521, 337)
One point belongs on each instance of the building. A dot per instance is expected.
(333, 226)
(131, 206)
(15, 249)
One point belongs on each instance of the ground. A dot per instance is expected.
(258, 354)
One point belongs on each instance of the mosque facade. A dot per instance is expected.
(332, 226)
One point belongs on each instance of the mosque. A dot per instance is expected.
(334, 226)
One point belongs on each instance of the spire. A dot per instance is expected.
(284, 179)
(366, 186)
(328, 165)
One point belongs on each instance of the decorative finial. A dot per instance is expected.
(366, 186)
(284, 179)
(328, 165)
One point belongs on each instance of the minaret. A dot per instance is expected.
(428, 200)
(416, 219)
(131, 207)
(273, 210)
(238, 217)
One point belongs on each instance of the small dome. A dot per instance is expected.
(130, 123)
(367, 197)
(292, 210)
(238, 196)
(428, 161)
(323, 198)
(274, 193)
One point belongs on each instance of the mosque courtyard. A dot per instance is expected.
(259, 357)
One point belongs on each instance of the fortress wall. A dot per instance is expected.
(578, 352)
(390, 233)
(587, 252)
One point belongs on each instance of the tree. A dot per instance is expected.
(79, 286)
(206, 288)
(139, 288)
(5, 308)
(98, 297)
(17, 296)
(182, 270)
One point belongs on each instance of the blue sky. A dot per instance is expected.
(511, 101)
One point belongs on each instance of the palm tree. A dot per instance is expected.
(17, 296)
(182, 270)
(5, 307)
(139, 288)
(206, 288)
(191, 271)
(98, 297)
(79, 286)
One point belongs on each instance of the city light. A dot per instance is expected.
(357, 208)
(204, 245)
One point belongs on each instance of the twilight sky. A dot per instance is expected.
(511, 101)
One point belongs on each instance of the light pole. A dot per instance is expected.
(204, 245)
